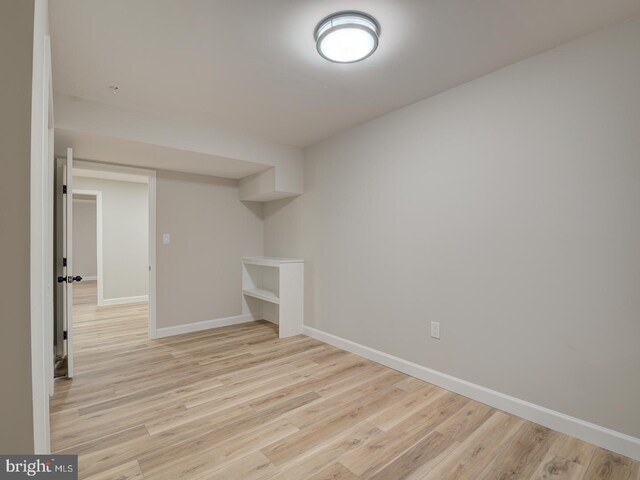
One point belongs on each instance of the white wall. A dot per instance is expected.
(199, 274)
(125, 236)
(508, 210)
(85, 261)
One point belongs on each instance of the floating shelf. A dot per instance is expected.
(262, 294)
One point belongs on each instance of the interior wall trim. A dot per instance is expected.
(603, 437)
(206, 325)
(123, 300)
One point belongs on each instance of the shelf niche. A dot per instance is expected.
(276, 287)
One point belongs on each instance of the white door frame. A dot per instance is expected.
(41, 251)
(99, 260)
(151, 176)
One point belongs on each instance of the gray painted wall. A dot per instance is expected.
(125, 235)
(199, 275)
(508, 209)
(84, 238)
(16, 57)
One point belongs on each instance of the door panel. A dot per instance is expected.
(63, 324)
(69, 256)
(59, 269)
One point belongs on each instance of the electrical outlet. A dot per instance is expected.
(435, 330)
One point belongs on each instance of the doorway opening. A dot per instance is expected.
(105, 255)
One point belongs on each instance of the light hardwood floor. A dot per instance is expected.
(238, 403)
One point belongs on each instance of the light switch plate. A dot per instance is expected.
(166, 238)
(435, 330)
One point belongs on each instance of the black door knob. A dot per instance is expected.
(70, 279)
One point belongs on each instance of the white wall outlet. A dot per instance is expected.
(166, 238)
(435, 330)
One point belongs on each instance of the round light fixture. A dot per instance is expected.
(347, 37)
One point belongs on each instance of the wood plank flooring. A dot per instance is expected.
(238, 403)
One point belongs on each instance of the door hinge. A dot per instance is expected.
(64, 335)
(64, 189)
(64, 262)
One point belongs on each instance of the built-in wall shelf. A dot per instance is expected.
(274, 288)
(265, 295)
(269, 261)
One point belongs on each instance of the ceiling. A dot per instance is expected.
(250, 66)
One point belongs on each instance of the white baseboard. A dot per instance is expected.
(206, 325)
(88, 278)
(610, 439)
(107, 302)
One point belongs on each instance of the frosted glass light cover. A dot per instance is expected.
(347, 37)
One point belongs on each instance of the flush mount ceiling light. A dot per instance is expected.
(347, 37)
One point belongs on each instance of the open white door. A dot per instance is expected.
(63, 337)
(68, 244)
